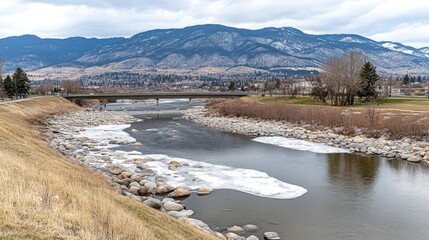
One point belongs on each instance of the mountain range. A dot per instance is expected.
(209, 46)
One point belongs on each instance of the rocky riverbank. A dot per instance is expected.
(406, 148)
(87, 137)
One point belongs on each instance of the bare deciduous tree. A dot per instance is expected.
(289, 88)
(71, 86)
(341, 78)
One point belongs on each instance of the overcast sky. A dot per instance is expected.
(395, 20)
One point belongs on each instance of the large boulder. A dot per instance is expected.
(143, 190)
(204, 190)
(358, 140)
(252, 237)
(150, 186)
(174, 163)
(180, 192)
(233, 236)
(406, 156)
(271, 236)
(134, 190)
(250, 228)
(115, 169)
(147, 172)
(235, 229)
(177, 214)
(172, 206)
(153, 203)
(219, 235)
(414, 159)
(198, 223)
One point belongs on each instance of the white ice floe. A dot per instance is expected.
(300, 145)
(199, 174)
(105, 133)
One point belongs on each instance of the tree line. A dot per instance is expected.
(344, 78)
(16, 86)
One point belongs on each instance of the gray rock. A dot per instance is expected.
(271, 236)
(115, 169)
(150, 186)
(406, 156)
(172, 206)
(143, 190)
(219, 235)
(233, 236)
(167, 200)
(177, 214)
(134, 190)
(414, 159)
(153, 203)
(147, 172)
(252, 237)
(180, 192)
(235, 229)
(198, 223)
(250, 228)
(135, 184)
(204, 190)
(187, 213)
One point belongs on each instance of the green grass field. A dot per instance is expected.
(394, 103)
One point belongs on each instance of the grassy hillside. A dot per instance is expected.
(43, 195)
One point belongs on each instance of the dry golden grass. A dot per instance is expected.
(46, 196)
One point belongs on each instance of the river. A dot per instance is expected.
(349, 196)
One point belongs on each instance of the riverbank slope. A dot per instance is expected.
(45, 195)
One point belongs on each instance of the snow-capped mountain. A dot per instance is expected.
(218, 46)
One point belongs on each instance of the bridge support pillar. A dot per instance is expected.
(190, 102)
(157, 101)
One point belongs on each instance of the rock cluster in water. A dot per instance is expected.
(129, 176)
(406, 148)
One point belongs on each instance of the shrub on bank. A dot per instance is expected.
(371, 120)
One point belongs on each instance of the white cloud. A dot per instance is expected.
(379, 19)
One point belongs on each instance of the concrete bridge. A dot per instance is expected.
(157, 95)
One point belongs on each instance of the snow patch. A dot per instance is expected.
(350, 39)
(300, 145)
(397, 48)
(105, 133)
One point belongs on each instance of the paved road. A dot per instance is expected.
(20, 100)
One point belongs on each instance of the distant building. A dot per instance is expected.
(412, 89)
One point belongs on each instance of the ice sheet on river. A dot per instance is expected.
(107, 132)
(300, 145)
(198, 173)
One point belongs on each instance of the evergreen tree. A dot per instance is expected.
(9, 86)
(406, 79)
(22, 82)
(232, 86)
(369, 77)
(278, 84)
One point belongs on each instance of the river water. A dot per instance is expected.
(349, 196)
